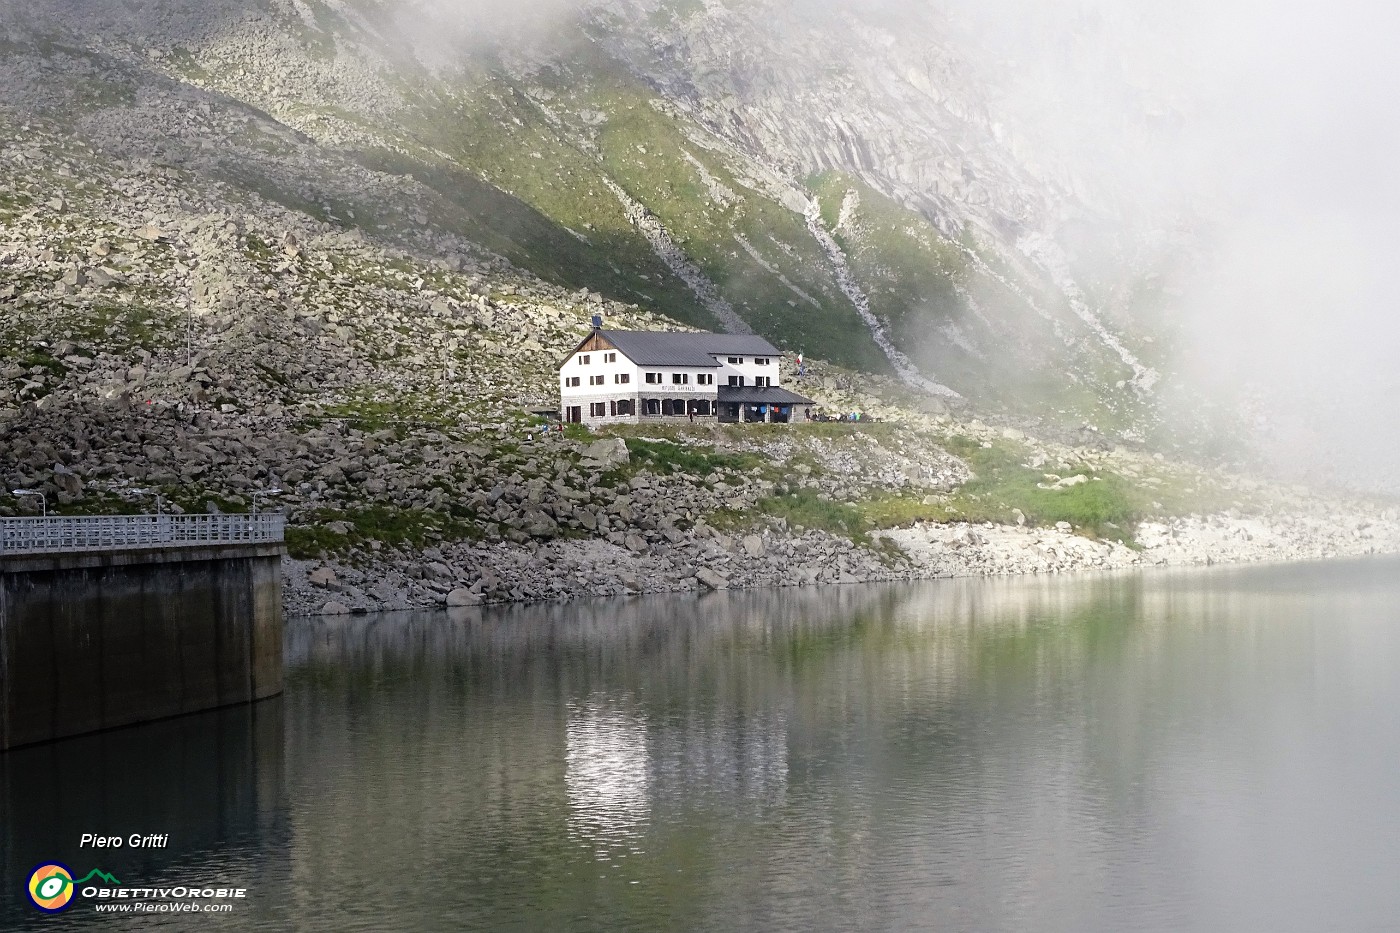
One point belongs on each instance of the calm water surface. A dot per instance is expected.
(1210, 750)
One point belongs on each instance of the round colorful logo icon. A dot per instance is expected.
(51, 887)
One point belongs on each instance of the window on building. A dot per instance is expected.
(705, 379)
(571, 381)
(575, 414)
(627, 406)
(762, 381)
(702, 406)
(761, 361)
(652, 406)
(583, 359)
(736, 360)
(609, 357)
(654, 378)
(680, 379)
(622, 378)
(597, 380)
(736, 380)
(598, 410)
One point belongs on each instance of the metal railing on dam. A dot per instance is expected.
(76, 533)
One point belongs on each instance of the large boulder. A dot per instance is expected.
(712, 579)
(606, 453)
(462, 597)
(323, 577)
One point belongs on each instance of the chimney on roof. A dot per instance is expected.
(597, 322)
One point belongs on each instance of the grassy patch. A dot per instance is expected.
(44, 361)
(805, 507)
(415, 528)
(894, 510)
(666, 457)
(1104, 505)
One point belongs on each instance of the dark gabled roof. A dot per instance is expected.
(663, 348)
(762, 395)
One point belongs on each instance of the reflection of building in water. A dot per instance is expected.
(606, 775)
(623, 772)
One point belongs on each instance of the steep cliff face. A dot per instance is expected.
(852, 184)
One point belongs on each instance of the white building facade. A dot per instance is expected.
(631, 377)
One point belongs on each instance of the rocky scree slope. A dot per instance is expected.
(230, 261)
(687, 157)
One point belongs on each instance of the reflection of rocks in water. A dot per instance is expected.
(600, 630)
(606, 776)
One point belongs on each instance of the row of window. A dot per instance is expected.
(585, 359)
(676, 407)
(680, 379)
(655, 407)
(624, 406)
(572, 382)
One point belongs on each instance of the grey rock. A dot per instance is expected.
(606, 453)
(712, 579)
(463, 597)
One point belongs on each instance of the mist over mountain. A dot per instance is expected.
(1165, 221)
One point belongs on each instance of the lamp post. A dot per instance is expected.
(43, 499)
(160, 499)
(260, 493)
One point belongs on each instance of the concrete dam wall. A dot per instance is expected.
(96, 640)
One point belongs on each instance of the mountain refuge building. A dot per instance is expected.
(636, 377)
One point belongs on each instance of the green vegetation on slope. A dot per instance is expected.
(523, 168)
(982, 325)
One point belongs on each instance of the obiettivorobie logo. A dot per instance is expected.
(51, 886)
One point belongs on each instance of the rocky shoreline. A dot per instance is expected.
(708, 559)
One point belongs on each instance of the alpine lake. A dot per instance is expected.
(1202, 750)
